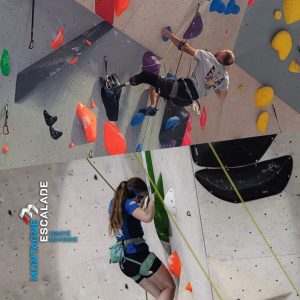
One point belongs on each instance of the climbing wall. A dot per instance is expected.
(78, 201)
(237, 254)
(29, 140)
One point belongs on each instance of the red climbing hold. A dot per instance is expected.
(203, 118)
(59, 40)
(189, 287)
(5, 149)
(73, 60)
(71, 145)
(187, 140)
(105, 9)
(26, 219)
(92, 104)
(189, 123)
(121, 6)
(88, 43)
(89, 122)
(174, 264)
(114, 141)
(251, 2)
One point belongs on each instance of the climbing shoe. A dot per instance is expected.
(148, 111)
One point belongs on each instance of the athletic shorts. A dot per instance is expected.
(131, 269)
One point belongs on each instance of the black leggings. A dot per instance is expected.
(164, 87)
(131, 269)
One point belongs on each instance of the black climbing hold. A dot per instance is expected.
(9, 212)
(49, 119)
(55, 134)
(254, 182)
(126, 286)
(232, 153)
(95, 177)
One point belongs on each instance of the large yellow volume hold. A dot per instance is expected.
(262, 122)
(282, 42)
(294, 66)
(264, 96)
(291, 9)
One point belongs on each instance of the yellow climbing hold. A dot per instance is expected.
(262, 122)
(277, 15)
(294, 66)
(282, 42)
(241, 88)
(291, 9)
(264, 96)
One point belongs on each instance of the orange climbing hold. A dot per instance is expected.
(203, 118)
(189, 287)
(121, 6)
(114, 140)
(5, 149)
(59, 40)
(89, 122)
(175, 264)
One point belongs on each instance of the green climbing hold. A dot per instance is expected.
(161, 219)
(5, 62)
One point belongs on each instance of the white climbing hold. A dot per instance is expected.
(170, 202)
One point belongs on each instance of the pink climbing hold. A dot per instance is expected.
(203, 118)
(251, 2)
(92, 104)
(114, 140)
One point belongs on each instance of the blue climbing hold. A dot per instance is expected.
(165, 38)
(232, 8)
(173, 121)
(139, 148)
(137, 119)
(170, 76)
(221, 7)
(236, 10)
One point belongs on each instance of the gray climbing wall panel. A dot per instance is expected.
(29, 140)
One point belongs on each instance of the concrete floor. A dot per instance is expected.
(220, 233)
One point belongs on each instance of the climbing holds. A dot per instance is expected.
(291, 10)
(5, 62)
(232, 8)
(174, 264)
(294, 66)
(189, 287)
(277, 14)
(151, 63)
(5, 149)
(73, 60)
(92, 104)
(139, 148)
(71, 145)
(170, 76)
(203, 118)
(189, 123)
(171, 122)
(195, 28)
(241, 88)
(165, 38)
(170, 202)
(187, 140)
(55, 134)
(262, 122)
(264, 96)
(114, 141)
(105, 9)
(282, 42)
(137, 119)
(88, 43)
(59, 40)
(121, 6)
(89, 122)
(251, 2)
(221, 7)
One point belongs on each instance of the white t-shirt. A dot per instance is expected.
(209, 74)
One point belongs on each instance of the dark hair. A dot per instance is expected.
(121, 193)
(228, 58)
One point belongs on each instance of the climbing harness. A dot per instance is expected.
(31, 44)
(5, 129)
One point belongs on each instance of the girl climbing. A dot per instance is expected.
(127, 210)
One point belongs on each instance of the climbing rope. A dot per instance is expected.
(253, 219)
(171, 217)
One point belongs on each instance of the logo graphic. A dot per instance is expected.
(27, 211)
